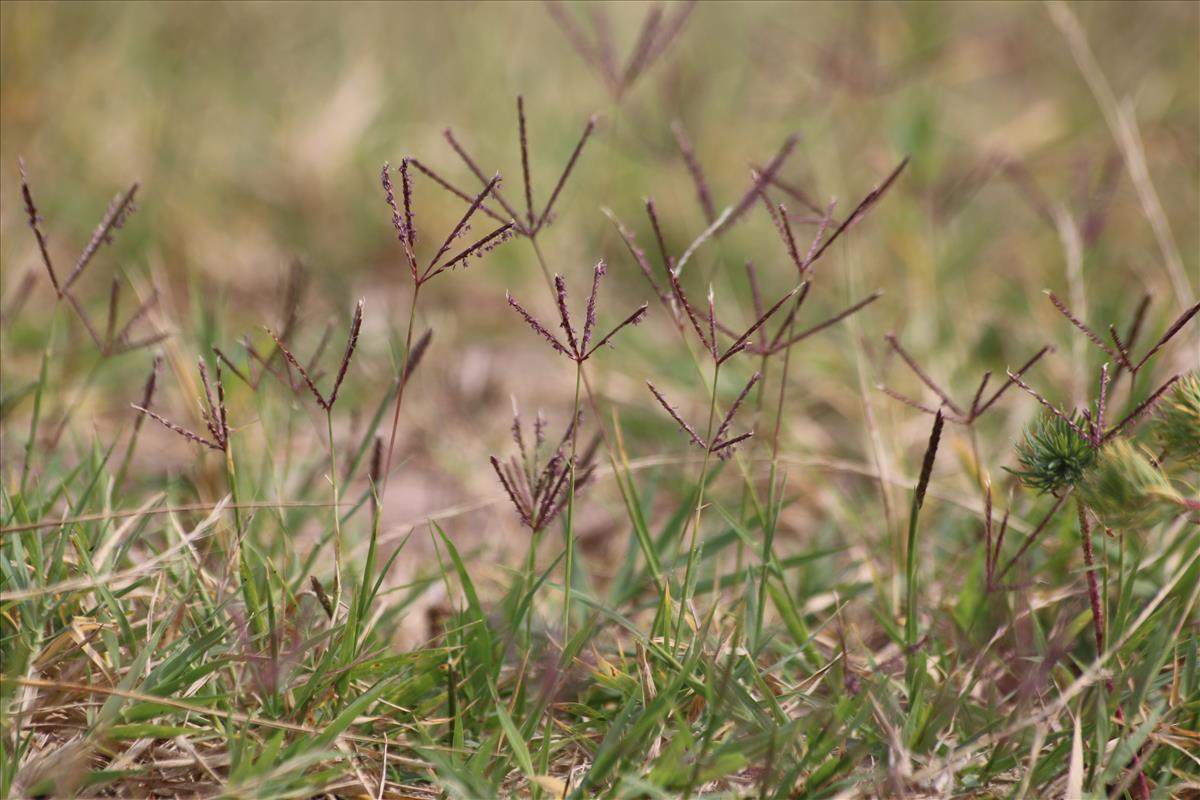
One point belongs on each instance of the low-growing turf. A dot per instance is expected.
(738, 532)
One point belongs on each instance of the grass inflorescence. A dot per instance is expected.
(235, 564)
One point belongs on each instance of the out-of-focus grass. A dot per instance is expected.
(258, 131)
(264, 124)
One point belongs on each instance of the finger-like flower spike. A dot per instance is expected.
(657, 32)
(539, 492)
(705, 325)
(351, 342)
(112, 342)
(406, 232)
(529, 222)
(212, 411)
(721, 444)
(978, 405)
(578, 346)
(1122, 354)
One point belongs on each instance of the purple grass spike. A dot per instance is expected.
(566, 173)
(718, 437)
(114, 219)
(463, 222)
(576, 348)
(538, 328)
(633, 319)
(525, 161)
(836, 318)
(351, 343)
(762, 320)
(33, 218)
(894, 342)
(1091, 335)
(304, 375)
(683, 425)
(564, 313)
(589, 322)
(703, 193)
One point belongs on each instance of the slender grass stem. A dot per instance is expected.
(1089, 561)
(760, 392)
(245, 569)
(1095, 599)
(542, 263)
(696, 518)
(337, 517)
(569, 562)
(39, 393)
(408, 340)
(626, 491)
(769, 532)
(530, 579)
(910, 572)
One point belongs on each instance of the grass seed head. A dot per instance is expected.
(1178, 424)
(1054, 455)
(1126, 490)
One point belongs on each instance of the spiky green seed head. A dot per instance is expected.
(1126, 490)
(1178, 424)
(1053, 455)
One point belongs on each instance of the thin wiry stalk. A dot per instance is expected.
(569, 562)
(404, 372)
(920, 373)
(1139, 413)
(147, 399)
(613, 455)
(835, 319)
(337, 517)
(1031, 538)
(684, 598)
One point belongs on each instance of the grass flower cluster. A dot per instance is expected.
(817, 507)
(1054, 455)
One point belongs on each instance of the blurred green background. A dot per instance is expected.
(258, 129)
(258, 132)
